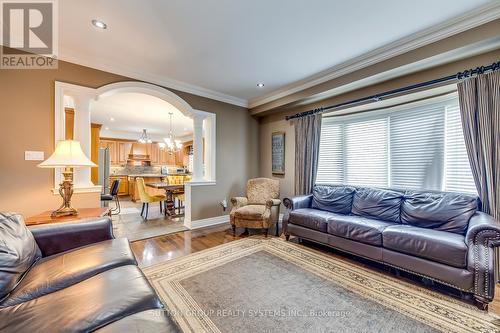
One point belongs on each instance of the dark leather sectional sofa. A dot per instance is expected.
(73, 277)
(437, 235)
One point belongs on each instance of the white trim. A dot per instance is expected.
(211, 221)
(148, 89)
(201, 183)
(101, 64)
(469, 20)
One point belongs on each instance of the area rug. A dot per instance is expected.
(269, 285)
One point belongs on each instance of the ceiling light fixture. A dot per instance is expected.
(173, 144)
(106, 128)
(99, 24)
(145, 138)
(111, 119)
(260, 85)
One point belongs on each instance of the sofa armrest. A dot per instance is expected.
(482, 237)
(59, 237)
(303, 201)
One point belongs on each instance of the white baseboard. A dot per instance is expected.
(211, 221)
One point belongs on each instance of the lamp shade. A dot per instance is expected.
(68, 153)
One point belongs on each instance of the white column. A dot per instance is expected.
(82, 134)
(197, 147)
(209, 136)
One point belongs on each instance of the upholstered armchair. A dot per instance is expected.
(260, 208)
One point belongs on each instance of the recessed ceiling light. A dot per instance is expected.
(99, 24)
(106, 128)
(111, 119)
(260, 85)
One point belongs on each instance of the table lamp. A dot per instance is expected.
(68, 155)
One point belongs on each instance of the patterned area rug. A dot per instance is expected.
(267, 285)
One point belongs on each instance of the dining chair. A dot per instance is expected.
(177, 194)
(145, 198)
(113, 195)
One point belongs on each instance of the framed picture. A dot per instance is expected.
(278, 153)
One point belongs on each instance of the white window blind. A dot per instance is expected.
(330, 170)
(417, 146)
(458, 176)
(366, 152)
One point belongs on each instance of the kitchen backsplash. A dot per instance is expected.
(133, 170)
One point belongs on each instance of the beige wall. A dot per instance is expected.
(266, 130)
(277, 122)
(27, 118)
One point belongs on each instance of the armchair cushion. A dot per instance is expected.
(18, 251)
(250, 212)
(259, 190)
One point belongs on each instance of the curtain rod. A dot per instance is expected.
(378, 97)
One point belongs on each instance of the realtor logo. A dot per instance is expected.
(29, 34)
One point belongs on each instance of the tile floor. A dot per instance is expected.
(131, 225)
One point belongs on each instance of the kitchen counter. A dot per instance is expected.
(146, 175)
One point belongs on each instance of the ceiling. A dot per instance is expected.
(223, 48)
(133, 112)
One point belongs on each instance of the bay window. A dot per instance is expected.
(413, 146)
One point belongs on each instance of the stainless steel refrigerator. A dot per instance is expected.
(104, 169)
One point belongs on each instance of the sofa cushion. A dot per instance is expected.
(250, 212)
(440, 246)
(358, 228)
(335, 199)
(378, 204)
(85, 306)
(18, 251)
(440, 211)
(157, 321)
(310, 218)
(68, 268)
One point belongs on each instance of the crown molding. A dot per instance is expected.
(470, 20)
(115, 68)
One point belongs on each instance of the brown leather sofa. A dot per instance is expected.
(73, 277)
(437, 235)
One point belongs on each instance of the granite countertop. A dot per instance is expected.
(148, 175)
(138, 175)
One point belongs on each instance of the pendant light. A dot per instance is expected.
(173, 144)
(145, 138)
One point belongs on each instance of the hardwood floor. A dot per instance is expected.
(160, 249)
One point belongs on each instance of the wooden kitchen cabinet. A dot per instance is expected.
(154, 153)
(113, 150)
(123, 151)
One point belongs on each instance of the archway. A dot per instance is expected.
(204, 131)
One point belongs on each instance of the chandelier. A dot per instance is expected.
(145, 138)
(172, 144)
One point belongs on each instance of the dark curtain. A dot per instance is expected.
(480, 110)
(307, 138)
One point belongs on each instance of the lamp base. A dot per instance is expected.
(66, 191)
(64, 211)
